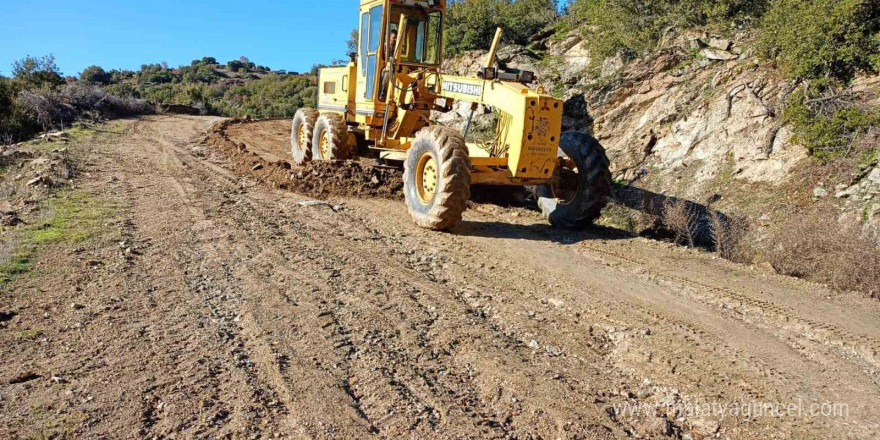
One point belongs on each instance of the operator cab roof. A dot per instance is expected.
(424, 3)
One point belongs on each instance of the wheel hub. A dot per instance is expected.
(427, 176)
(303, 137)
(325, 145)
(565, 182)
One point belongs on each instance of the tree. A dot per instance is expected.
(352, 43)
(5, 99)
(95, 75)
(234, 65)
(36, 72)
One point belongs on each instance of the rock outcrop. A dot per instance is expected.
(699, 111)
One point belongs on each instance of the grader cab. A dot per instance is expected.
(380, 105)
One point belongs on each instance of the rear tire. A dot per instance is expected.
(437, 178)
(581, 206)
(301, 134)
(330, 140)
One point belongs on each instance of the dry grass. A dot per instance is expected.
(729, 237)
(683, 220)
(818, 247)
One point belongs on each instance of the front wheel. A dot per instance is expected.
(581, 186)
(331, 138)
(437, 178)
(301, 135)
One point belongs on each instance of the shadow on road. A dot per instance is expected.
(656, 204)
(651, 204)
(538, 232)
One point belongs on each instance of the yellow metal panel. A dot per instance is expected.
(462, 88)
(532, 138)
(334, 85)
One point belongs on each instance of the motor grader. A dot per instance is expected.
(380, 105)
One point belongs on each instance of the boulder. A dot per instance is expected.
(720, 44)
(718, 55)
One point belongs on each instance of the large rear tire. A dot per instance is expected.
(577, 198)
(331, 138)
(437, 178)
(301, 135)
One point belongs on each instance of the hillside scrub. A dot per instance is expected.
(810, 39)
(843, 255)
(814, 39)
(828, 120)
(238, 88)
(274, 96)
(471, 24)
(635, 26)
(38, 98)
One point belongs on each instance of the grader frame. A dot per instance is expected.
(381, 102)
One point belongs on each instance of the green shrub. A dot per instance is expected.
(16, 123)
(123, 90)
(33, 72)
(199, 74)
(826, 121)
(95, 75)
(118, 76)
(156, 77)
(273, 96)
(471, 24)
(633, 26)
(823, 38)
(235, 66)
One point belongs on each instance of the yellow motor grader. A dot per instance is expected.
(380, 105)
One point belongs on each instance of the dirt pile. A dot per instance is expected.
(316, 179)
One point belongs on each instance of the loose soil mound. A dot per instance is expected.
(316, 179)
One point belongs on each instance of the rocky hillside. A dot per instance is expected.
(700, 121)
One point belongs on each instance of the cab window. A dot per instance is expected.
(371, 34)
(421, 44)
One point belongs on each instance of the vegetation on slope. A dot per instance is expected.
(38, 96)
(471, 24)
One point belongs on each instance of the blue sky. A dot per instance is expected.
(282, 34)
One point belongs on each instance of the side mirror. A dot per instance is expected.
(353, 56)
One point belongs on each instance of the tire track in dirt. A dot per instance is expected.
(769, 378)
(859, 347)
(244, 314)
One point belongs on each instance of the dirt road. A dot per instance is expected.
(218, 307)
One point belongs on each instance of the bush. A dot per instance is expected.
(15, 122)
(118, 76)
(159, 77)
(633, 26)
(683, 220)
(827, 120)
(823, 38)
(95, 75)
(471, 24)
(123, 91)
(201, 73)
(88, 98)
(235, 66)
(729, 237)
(273, 96)
(815, 246)
(59, 109)
(33, 72)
